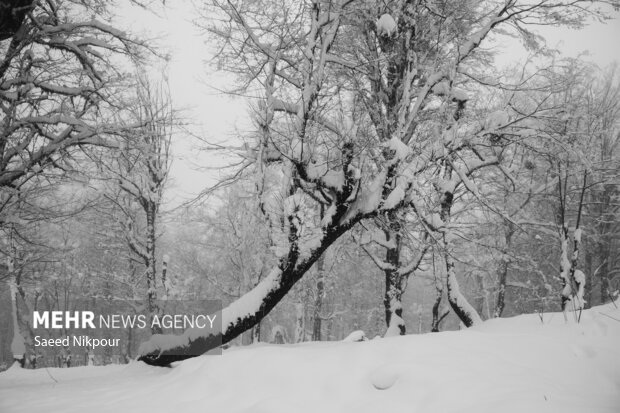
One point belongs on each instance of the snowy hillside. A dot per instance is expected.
(509, 365)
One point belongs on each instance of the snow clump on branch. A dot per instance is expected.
(386, 26)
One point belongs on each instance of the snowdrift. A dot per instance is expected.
(508, 365)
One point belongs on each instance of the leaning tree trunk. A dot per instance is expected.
(251, 308)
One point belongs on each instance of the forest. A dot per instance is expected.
(394, 181)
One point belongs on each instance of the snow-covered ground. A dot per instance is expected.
(510, 365)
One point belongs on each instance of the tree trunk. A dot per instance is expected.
(151, 280)
(480, 299)
(573, 286)
(589, 270)
(22, 333)
(459, 304)
(300, 325)
(330, 329)
(564, 267)
(18, 344)
(320, 291)
(393, 281)
(318, 299)
(164, 275)
(504, 265)
(605, 258)
(256, 333)
(437, 318)
(500, 304)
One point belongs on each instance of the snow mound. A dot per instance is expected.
(385, 376)
(355, 336)
(531, 363)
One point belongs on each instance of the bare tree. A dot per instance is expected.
(140, 167)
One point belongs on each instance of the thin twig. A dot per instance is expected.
(607, 315)
(50, 374)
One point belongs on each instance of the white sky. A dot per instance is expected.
(215, 116)
(209, 114)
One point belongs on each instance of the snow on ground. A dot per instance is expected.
(509, 365)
